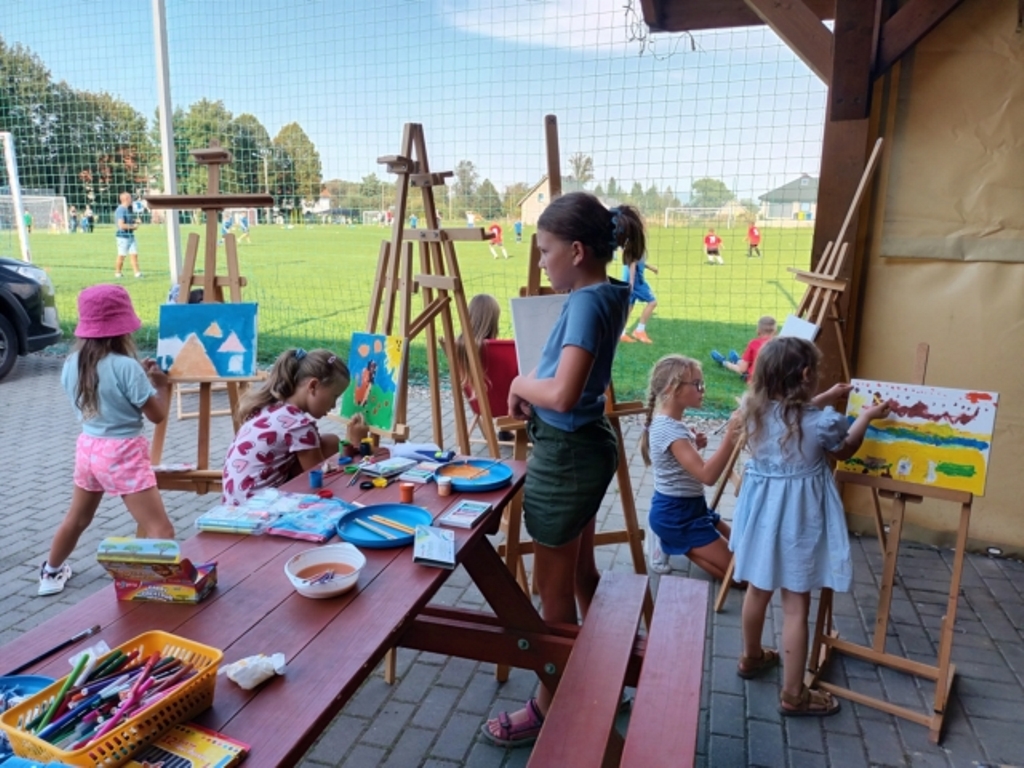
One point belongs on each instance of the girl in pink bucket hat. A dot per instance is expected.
(111, 391)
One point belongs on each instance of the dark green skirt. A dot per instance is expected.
(567, 477)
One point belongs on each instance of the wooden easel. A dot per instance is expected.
(440, 279)
(203, 479)
(826, 639)
(513, 549)
(820, 302)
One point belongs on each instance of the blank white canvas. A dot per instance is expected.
(533, 317)
(800, 328)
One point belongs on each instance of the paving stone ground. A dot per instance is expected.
(432, 715)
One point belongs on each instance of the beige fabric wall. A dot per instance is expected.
(970, 312)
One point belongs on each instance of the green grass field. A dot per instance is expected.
(313, 287)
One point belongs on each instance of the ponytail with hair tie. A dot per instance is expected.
(616, 227)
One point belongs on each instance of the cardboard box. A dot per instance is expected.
(153, 569)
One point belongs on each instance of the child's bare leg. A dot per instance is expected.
(648, 311)
(83, 507)
(795, 606)
(755, 605)
(713, 558)
(587, 575)
(723, 528)
(147, 507)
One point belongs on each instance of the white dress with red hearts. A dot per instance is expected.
(263, 453)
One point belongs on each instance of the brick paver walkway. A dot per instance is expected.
(432, 715)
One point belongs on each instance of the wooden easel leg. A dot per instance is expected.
(390, 666)
(512, 526)
(156, 448)
(725, 586)
(879, 521)
(946, 669)
(892, 548)
(433, 370)
(822, 629)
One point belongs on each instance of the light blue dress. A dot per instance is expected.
(789, 528)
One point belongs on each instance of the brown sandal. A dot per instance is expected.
(810, 703)
(749, 667)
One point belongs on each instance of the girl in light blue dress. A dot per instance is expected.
(789, 529)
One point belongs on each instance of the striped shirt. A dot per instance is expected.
(669, 476)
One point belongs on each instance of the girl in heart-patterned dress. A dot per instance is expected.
(279, 438)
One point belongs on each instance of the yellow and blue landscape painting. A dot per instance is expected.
(933, 436)
(375, 362)
(207, 341)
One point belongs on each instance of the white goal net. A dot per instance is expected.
(704, 217)
(373, 217)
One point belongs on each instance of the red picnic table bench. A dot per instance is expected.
(333, 645)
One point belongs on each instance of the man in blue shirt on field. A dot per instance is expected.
(125, 224)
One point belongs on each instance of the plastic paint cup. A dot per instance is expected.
(316, 478)
(366, 446)
(405, 492)
(444, 486)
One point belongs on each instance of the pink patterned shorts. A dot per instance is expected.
(117, 465)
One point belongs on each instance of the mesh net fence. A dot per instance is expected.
(715, 130)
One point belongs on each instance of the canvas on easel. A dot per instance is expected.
(207, 341)
(377, 365)
(533, 318)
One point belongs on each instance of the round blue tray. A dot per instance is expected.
(407, 514)
(496, 476)
(26, 684)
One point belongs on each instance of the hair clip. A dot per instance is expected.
(332, 359)
(300, 353)
(616, 227)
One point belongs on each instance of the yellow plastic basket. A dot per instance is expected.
(142, 729)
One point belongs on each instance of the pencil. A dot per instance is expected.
(392, 523)
(379, 531)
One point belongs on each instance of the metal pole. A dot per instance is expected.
(19, 210)
(163, 88)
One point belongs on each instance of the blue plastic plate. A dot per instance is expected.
(490, 476)
(407, 514)
(26, 684)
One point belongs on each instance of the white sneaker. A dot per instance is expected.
(138, 274)
(118, 275)
(659, 560)
(52, 583)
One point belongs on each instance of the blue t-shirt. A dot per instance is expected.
(592, 318)
(124, 213)
(641, 266)
(123, 389)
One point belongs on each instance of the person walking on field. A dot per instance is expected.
(753, 240)
(496, 240)
(639, 290)
(713, 247)
(126, 222)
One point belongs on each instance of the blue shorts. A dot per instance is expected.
(682, 522)
(126, 245)
(641, 292)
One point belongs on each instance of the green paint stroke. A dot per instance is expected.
(955, 470)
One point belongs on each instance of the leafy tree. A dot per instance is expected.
(305, 164)
(582, 168)
(205, 121)
(613, 188)
(488, 200)
(599, 191)
(710, 193)
(465, 184)
(513, 194)
(636, 195)
(251, 148)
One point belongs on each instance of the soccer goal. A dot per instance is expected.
(373, 217)
(699, 217)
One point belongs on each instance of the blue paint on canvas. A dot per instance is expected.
(207, 341)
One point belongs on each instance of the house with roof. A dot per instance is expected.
(533, 203)
(796, 200)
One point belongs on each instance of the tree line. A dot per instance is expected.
(90, 147)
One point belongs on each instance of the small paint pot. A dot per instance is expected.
(316, 478)
(366, 447)
(405, 492)
(444, 486)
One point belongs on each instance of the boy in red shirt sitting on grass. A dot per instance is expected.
(744, 364)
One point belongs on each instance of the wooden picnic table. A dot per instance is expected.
(332, 645)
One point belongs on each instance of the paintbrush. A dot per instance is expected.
(379, 531)
(59, 647)
(484, 469)
(387, 521)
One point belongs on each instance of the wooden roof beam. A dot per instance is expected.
(906, 27)
(799, 28)
(695, 15)
(855, 41)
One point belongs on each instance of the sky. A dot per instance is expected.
(479, 75)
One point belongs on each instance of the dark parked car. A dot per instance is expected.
(28, 312)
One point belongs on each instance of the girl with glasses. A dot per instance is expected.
(679, 514)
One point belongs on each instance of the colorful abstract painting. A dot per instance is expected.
(376, 364)
(207, 341)
(934, 436)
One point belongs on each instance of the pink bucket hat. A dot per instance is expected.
(105, 311)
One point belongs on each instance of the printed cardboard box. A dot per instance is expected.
(153, 569)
